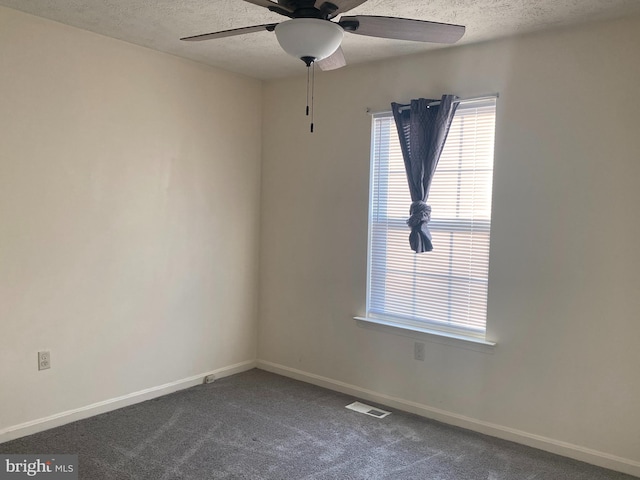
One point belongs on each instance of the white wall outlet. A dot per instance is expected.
(418, 351)
(209, 379)
(44, 360)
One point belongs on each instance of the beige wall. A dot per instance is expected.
(129, 193)
(564, 275)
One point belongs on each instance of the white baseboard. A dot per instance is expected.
(41, 424)
(576, 452)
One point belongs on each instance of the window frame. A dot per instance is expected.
(425, 326)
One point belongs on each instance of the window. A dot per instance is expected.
(445, 289)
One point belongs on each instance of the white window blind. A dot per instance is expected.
(446, 288)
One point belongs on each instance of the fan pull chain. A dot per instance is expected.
(308, 68)
(313, 86)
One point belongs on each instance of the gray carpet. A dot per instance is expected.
(257, 425)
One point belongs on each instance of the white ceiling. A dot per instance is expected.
(158, 24)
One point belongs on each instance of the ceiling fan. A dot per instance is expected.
(313, 37)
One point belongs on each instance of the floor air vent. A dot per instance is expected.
(368, 409)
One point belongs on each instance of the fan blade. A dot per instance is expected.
(268, 4)
(343, 5)
(332, 62)
(402, 29)
(270, 27)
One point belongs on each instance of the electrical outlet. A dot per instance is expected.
(44, 360)
(418, 351)
(209, 379)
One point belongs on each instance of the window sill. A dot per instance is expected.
(424, 333)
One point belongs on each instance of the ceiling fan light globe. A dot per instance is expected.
(309, 37)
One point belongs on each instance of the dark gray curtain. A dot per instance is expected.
(422, 130)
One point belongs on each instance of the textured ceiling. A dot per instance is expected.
(158, 24)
